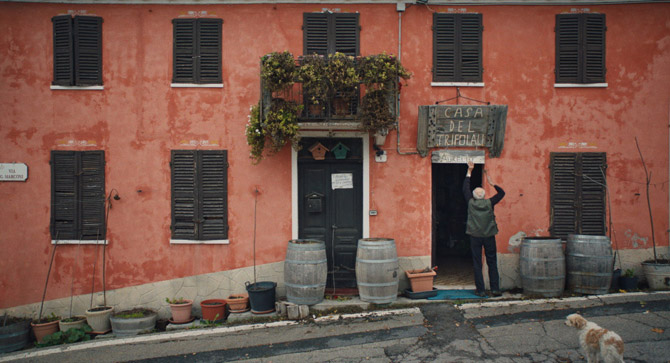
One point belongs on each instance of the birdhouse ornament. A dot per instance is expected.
(318, 151)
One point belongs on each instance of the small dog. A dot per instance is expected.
(597, 343)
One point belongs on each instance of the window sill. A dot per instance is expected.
(196, 85)
(580, 85)
(457, 84)
(79, 242)
(197, 242)
(78, 88)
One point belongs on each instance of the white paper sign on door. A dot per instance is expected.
(342, 181)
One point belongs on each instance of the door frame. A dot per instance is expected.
(366, 176)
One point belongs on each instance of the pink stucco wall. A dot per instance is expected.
(138, 118)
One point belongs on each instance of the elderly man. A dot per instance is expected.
(482, 229)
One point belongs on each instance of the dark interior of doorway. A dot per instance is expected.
(451, 246)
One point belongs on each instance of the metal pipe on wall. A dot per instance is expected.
(400, 8)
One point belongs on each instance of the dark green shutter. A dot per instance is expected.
(327, 33)
(563, 194)
(470, 57)
(213, 184)
(315, 33)
(457, 47)
(580, 48)
(209, 50)
(184, 194)
(92, 195)
(63, 51)
(184, 50)
(88, 50)
(577, 194)
(64, 195)
(592, 211)
(594, 48)
(346, 33)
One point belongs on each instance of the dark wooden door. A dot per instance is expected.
(330, 204)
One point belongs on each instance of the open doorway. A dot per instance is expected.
(451, 246)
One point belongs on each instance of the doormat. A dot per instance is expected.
(455, 295)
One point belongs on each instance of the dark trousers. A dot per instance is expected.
(489, 244)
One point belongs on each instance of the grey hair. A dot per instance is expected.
(478, 193)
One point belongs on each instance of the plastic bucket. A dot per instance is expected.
(262, 296)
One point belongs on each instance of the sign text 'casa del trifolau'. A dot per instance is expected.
(459, 126)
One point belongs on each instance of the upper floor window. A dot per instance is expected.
(77, 50)
(457, 47)
(328, 33)
(199, 195)
(78, 195)
(580, 48)
(196, 51)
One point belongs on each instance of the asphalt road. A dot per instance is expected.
(436, 332)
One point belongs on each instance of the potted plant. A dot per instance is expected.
(278, 71)
(62, 337)
(16, 333)
(313, 74)
(238, 303)
(343, 81)
(279, 127)
(133, 322)
(181, 310)
(213, 310)
(74, 322)
(421, 280)
(45, 326)
(375, 114)
(381, 71)
(656, 270)
(628, 281)
(98, 318)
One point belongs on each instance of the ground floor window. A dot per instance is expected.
(578, 192)
(199, 194)
(78, 195)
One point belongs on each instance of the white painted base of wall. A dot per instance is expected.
(216, 285)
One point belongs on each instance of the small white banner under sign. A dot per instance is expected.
(13, 172)
(342, 181)
(458, 156)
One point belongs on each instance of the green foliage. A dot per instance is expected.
(72, 320)
(48, 318)
(375, 113)
(70, 336)
(313, 73)
(133, 314)
(344, 79)
(180, 300)
(629, 273)
(278, 71)
(279, 127)
(380, 71)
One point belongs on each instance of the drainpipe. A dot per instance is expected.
(400, 8)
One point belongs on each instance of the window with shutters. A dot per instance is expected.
(196, 51)
(457, 47)
(78, 196)
(199, 196)
(580, 48)
(328, 33)
(77, 49)
(578, 192)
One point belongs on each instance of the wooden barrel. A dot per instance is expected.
(377, 270)
(542, 265)
(305, 271)
(589, 262)
(14, 335)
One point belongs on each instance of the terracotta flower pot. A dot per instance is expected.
(213, 309)
(421, 280)
(43, 329)
(181, 313)
(238, 303)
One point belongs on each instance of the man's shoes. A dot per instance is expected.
(480, 293)
(496, 293)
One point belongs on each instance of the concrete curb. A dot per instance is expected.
(175, 335)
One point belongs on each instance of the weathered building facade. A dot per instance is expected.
(149, 100)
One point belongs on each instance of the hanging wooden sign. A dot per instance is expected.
(461, 126)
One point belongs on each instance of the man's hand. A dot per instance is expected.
(488, 178)
(471, 166)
